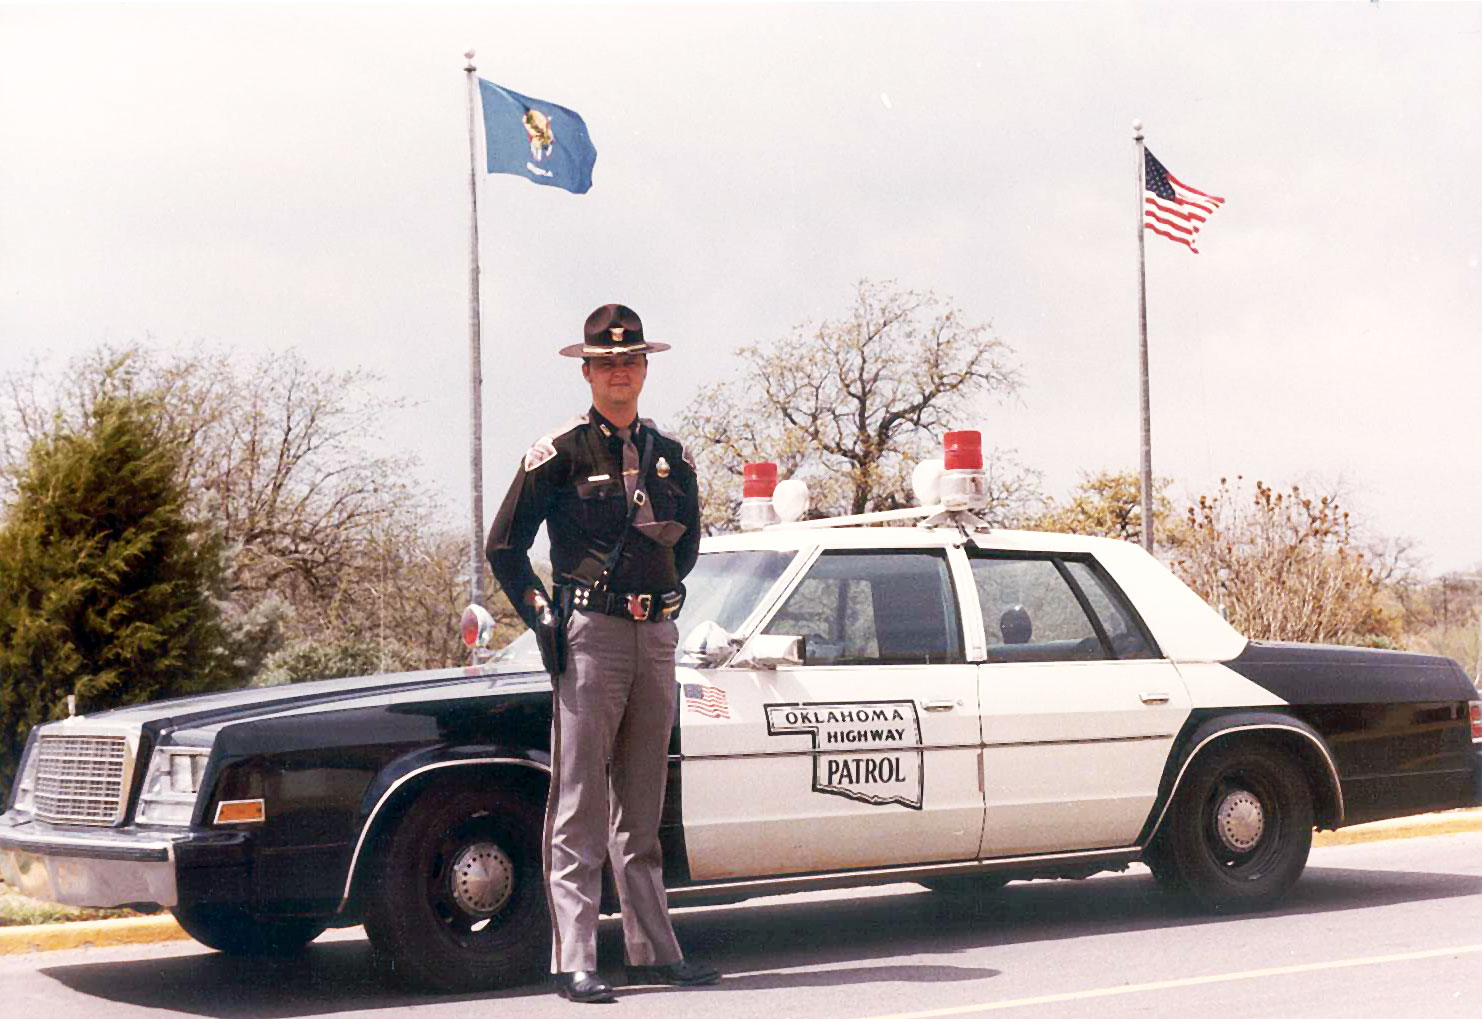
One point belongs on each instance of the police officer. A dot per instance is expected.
(621, 506)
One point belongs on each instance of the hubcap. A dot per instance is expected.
(1240, 821)
(483, 879)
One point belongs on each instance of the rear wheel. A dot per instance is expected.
(1240, 829)
(235, 931)
(460, 899)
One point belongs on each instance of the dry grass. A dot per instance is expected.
(17, 910)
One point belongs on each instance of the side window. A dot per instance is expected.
(1030, 613)
(875, 608)
(1127, 637)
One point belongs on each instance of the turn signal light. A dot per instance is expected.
(1476, 707)
(240, 811)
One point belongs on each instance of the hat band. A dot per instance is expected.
(591, 351)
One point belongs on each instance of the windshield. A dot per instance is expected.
(521, 651)
(725, 586)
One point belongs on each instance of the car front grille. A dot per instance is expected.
(80, 779)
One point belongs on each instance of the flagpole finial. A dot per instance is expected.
(469, 57)
(1137, 128)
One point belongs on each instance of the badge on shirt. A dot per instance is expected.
(661, 468)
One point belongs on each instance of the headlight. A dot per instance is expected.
(171, 785)
(25, 784)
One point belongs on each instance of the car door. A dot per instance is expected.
(863, 755)
(1080, 709)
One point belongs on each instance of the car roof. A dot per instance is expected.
(1183, 624)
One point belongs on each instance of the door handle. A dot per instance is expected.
(947, 705)
(1153, 697)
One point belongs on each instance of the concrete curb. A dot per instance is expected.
(1444, 823)
(129, 930)
(146, 930)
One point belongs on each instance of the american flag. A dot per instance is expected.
(707, 700)
(1171, 208)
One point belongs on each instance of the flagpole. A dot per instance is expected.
(475, 356)
(1146, 476)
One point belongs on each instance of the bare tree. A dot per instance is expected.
(852, 405)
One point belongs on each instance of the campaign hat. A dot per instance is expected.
(611, 330)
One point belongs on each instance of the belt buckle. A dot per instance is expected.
(639, 606)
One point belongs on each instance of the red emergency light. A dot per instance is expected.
(962, 451)
(758, 480)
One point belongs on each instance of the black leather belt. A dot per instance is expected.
(654, 607)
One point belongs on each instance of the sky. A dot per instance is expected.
(261, 178)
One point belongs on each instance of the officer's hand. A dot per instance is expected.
(541, 605)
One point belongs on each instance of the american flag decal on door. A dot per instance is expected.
(707, 700)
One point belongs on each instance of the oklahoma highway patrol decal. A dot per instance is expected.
(868, 751)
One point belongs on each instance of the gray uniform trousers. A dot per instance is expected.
(614, 703)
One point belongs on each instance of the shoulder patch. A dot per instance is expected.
(545, 446)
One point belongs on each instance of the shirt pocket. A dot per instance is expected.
(668, 497)
(601, 505)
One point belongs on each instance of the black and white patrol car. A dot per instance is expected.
(856, 704)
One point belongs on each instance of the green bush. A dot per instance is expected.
(312, 659)
(108, 590)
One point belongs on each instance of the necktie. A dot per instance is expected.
(632, 482)
(664, 532)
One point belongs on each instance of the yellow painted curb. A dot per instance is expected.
(1445, 823)
(129, 930)
(145, 930)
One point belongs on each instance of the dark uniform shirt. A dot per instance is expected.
(573, 480)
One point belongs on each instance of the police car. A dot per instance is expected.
(908, 696)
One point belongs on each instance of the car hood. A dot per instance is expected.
(233, 705)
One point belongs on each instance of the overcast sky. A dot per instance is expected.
(266, 178)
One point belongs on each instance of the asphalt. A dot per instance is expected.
(143, 930)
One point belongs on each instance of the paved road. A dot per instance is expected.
(1381, 929)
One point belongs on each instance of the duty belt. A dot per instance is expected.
(652, 607)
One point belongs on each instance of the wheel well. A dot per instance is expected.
(532, 781)
(1327, 809)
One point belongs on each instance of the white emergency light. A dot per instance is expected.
(790, 500)
(926, 482)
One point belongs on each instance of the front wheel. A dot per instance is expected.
(460, 900)
(233, 930)
(1240, 829)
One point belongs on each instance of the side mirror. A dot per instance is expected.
(708, 644)
(477, 629)
(769, 650)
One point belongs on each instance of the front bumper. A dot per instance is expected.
(107, 867)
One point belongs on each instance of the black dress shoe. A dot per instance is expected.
(583, 985)
(681, 974)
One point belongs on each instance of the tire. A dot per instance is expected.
(1158, 860)
(235, 931)
(460, 901)
(1239, 831)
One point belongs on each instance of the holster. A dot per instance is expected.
(550, 632)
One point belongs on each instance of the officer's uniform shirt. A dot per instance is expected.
(573, 480)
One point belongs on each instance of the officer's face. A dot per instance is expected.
(617, 379)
